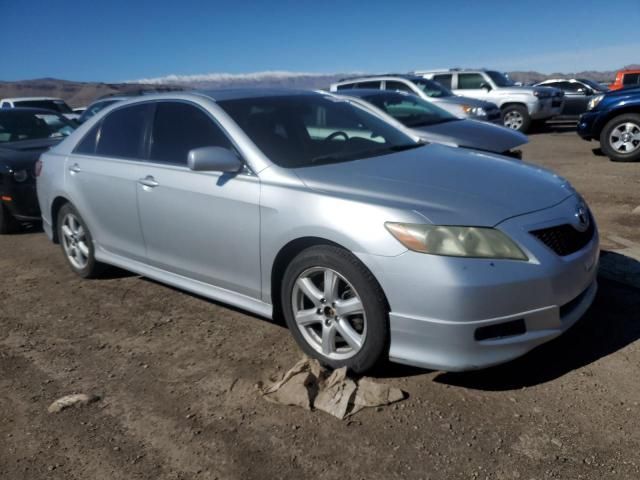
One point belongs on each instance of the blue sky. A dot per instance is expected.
(114, 40)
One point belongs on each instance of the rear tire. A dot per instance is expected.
(8, 224)
(335, 309)
(77, 243)
(516, 117)
(613, 136)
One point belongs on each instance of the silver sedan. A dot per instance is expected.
(371, 244)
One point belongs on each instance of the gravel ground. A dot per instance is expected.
(177, 377)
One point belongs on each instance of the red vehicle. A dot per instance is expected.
(626, 79)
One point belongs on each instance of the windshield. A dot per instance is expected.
(410, 110)
(432, 89)
(500, 79)
(16, 126)
(55, 105)
(594, 85)
(304, 130)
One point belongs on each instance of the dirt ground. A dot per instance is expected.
(177, 376)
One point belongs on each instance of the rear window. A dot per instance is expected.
(122, 132)
(631, 79)
(55, 105)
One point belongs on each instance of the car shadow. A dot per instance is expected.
(568, 126)
(612, 323)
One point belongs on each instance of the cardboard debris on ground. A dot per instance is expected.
(308, 385)
(75, 400)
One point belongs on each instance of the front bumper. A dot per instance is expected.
(440, 305)
(586, 125)
(546, 108)
(22, 201)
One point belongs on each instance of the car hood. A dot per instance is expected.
(458, 100)
(473, 134)
(448, 186)
(26, 152)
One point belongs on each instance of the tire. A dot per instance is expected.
(516, 117)
(8, 224)
(77, 243)
(617, 128)
(344, 326)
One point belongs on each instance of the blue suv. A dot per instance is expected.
(613, 118)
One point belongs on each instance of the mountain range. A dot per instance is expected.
(83, 93)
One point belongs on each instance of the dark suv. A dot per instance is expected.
(613, 118)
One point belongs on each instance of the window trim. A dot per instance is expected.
(147, 135)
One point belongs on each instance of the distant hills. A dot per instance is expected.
(83, 93)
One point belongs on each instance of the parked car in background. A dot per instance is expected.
(49, 103)
(461, 107)
(433, 124)
(79, 110)
(629, 78)
(577, 95)
(613, 119)
(24, 134)
(370, 243)
(520, 105)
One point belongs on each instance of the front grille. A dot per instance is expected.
(565, 239)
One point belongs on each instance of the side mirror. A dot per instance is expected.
(485, 86)
(213, 159)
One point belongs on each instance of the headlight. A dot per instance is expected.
(20, 175)
(474, 242)
(474, 111)
(593, 103)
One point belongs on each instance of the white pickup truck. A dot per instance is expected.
(520, 106)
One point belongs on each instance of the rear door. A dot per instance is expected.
(202, 225)
(101, 179)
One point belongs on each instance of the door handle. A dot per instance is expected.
(75, 168)
(148, 181)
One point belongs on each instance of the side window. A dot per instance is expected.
(569, 86)
(180, 127)
(444, 80)
(398, 87)
(122, 133)
(631, 79)
(469, 81)
(87, 145)
(346, 86)
(373, 85)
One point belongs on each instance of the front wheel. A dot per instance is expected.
(620, 138)
(335, 309)
(77, 243)
(516, 117)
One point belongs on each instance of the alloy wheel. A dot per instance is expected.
(329, 313)
(74, 241)
(625, 138)
(513, 119)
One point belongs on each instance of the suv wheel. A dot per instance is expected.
(8, 224)
(516, 117)
(620, 138)
(335, 309)
(77, 243)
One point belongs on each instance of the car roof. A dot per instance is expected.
(239, 93)
(22, 99)
(406, 76)
(368, 92)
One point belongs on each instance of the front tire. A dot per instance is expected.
(77, 243)
(516, 117)
(620, 138)
(335, 309)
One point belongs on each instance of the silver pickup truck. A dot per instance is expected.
(520, 105)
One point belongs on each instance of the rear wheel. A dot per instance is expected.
(77, 243)
(335, 309)
(8, 224)
(620, 138)
(516, 117)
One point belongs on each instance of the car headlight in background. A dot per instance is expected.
(593, 103)
(474, 111)
(20, 175)
(475, 242)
